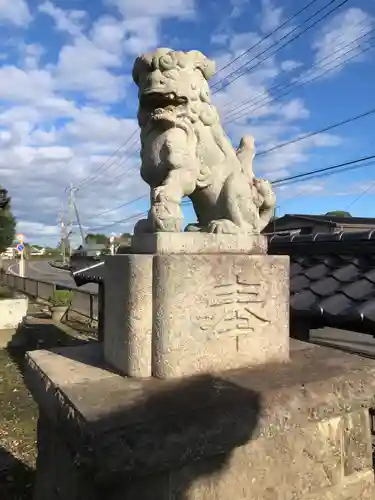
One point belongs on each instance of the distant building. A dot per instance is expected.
(37, 251)
(91, 250)
(310, 224)
(9, 253)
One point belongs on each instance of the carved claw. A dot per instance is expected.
(224, 226)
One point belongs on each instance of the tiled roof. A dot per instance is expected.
(332, 278)
(94, 273)
(336, 219)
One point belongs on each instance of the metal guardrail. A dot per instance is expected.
(84, 303)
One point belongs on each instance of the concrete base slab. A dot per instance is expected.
(281, 431)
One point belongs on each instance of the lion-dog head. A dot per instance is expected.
(173, 85)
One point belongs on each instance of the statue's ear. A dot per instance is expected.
(205, 65)
(141, 65)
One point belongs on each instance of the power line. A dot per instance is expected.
(268, 35)
(317, 132)
(367, 190)
(239, 113)
(286, 83)
(101, 167)
(295, 37)
(118, 222)
(323, 170)
(127, 203)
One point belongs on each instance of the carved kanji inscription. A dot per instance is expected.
(235, 309)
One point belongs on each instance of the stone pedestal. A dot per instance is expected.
(198, 303)
(282, 431)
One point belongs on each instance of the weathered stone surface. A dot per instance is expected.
(357, 450)
(185, 151)
(216, 312)
(198, 243)
(183, 314)
(128, 314)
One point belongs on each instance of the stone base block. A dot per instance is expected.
(285, 431)
(180, 314)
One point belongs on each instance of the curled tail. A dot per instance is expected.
(245, 154)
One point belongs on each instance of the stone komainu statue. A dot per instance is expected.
(185, 151)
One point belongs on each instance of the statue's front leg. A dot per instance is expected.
(166, 213)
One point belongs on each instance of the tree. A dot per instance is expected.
(7, 221)
(98, 239)
(339, 213)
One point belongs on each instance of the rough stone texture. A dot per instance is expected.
(12, 312)
(181, 314)
(216, 312)
(128, 314)
(8, 338)
(198, 243)
(185, 151)
(298, 430)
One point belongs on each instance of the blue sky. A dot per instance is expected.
(67, 101)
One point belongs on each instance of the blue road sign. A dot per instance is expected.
(20, 248)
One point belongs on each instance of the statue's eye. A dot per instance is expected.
(166, 62)
(172, 74)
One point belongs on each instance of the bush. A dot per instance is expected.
(7, 222)
(61, 298)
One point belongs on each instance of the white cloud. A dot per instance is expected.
(84, 67)
(157, 9)
(290, 65)
(14, 12)
(37, 231)
(272, 16)
(24, 86)
(238, 8)
(341, 38)
(71, 21)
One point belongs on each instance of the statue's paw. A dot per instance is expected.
(169, 225)
(223, 226)
(167, 217)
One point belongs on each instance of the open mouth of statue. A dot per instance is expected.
(158, 103)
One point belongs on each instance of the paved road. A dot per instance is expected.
(41, 270)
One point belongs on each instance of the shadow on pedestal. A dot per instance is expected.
(119, 438)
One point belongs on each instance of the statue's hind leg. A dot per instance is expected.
(238, 210)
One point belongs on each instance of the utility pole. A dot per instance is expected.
(73, 213)
(63, 234)
(70, 217)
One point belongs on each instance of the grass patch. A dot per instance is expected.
(6, 293)
(18, 411)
